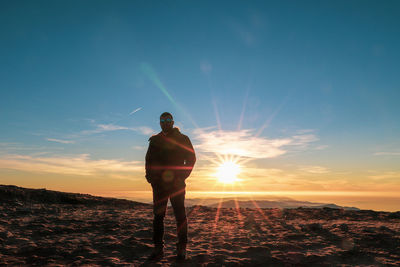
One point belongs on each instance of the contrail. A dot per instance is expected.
(136, 110)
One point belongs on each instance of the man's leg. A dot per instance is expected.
(178, 204)
(160, 200)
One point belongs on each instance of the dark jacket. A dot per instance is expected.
(169, 159)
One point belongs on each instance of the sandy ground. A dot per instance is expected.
(68, 234)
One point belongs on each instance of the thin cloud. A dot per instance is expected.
(303, 140)
(80, 164)
(314, 169)
(5, 144)
(385, 175)
(245, 143)
(259, 178)
(60, 141)
(144, 130)
(387, 154)
(267, 174)
(304, 131)
(111, 127)
(17, 148)
(101, 128)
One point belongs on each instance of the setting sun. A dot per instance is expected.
(227, 172)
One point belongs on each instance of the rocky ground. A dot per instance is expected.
(112, 232)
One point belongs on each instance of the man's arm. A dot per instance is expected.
(148, 164)
(190, 157)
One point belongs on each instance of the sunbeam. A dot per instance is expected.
(244, 107)
(270, 118)
(257, 206)
(239, 215)
(217, 115)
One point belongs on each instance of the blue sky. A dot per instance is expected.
(71, 72)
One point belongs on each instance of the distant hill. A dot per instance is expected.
(282, 204)
(15, 194)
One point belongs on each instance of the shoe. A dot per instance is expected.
(158, 253)
(181, 251)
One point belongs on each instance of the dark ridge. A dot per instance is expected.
(268, 204)
(12, 194)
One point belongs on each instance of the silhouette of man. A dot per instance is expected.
(170, 159)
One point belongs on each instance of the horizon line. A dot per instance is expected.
(281, 193)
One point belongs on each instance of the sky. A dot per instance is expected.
(302, 95)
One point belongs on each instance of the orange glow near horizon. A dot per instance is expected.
(201, 194)
(298, 193)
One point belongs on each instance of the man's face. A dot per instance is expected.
(166, 123)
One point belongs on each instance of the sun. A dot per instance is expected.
(227, 172)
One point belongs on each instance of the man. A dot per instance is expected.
(169, 161)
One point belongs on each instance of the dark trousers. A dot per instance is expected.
(160, 201)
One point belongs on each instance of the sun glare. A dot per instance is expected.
(227, 172)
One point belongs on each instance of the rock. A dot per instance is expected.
(344, 227)
(6, 234)
(257, 252)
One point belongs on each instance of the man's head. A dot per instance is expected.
(166, 122)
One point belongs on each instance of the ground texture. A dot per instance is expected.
(44, 227)
(78, 234)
